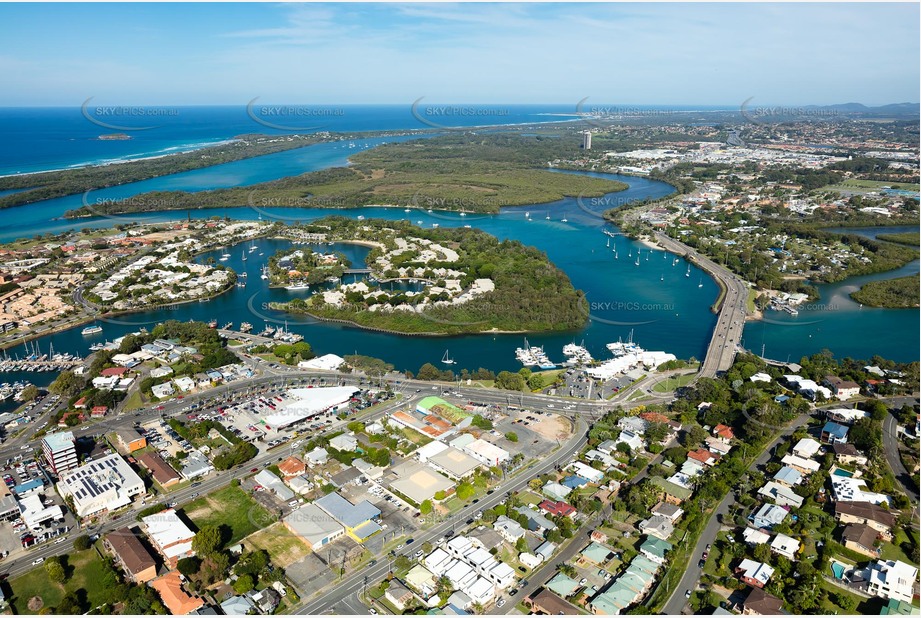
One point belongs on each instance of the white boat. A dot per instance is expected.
(223, 258)
(463, 214)
(361, 217)
(297, 287)
(265, 272)
(446, 359)
(91, 330)
(564, 220)
(407, 210)
(688, 271)
(700, 283)
(244, 257)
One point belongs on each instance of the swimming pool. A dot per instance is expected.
(840, 472)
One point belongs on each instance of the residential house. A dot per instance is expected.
(398, 594)
(723, 433)
(760, 603)
(842, 389)
(848, 455)
(833, 433)
(781, 494)
(162, 472)
(878, 518)
(788, 476)
(536, 522)
(806, 448)
(344, 442)
(785, 546)
(862, 539)
(672, 493)
(508, 529)
(754, 573)
(801, 464)
(631, 439)
(670, 511)
(655, 549)
(176, 600)
(753, 536)
(292, 466)
(768, 515)
(556, 508)
(891, 579)
(129, 553)
(549, 603)
(657, 526)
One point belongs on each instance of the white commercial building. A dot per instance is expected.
(486, 452)
(169, 535)
(302, 403)
(108, 483)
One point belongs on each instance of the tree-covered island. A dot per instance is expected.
(465, 281)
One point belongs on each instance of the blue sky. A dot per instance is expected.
(191, 54)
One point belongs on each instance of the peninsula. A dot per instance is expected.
(466, 173)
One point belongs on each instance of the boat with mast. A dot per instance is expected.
(447, 360)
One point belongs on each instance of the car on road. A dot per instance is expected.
(500, 602)
(687, 593)
(372, 611)
(194, 496)
(38, 561)
(582, 581)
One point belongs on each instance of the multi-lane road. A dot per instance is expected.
(727, 335)
(339, 599)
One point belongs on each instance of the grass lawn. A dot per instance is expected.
(529, 497)
(284, 547)
(85, 569)
(863, 606)
(673, 383)
(894, 550)
(230, 506)
(134, 401)
(415, 437)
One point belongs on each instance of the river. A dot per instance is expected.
(663, 301)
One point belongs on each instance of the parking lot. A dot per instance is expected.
(578, 384)
(161, 436)
(14, 534)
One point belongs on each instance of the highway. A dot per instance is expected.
(727, 335)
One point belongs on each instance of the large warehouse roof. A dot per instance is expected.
(303, 403)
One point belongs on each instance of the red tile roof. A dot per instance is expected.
(556, 508)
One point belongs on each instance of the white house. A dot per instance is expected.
(891, 579)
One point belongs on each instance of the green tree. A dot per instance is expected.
(82, 543)
(402, 563)
(693, 436)
(521, 545)
(67, 384)
(464, 491)
(207, 540)
(188, 566)
(426, 507)
(55, 570)
(429, 372)
(29, 393)
(511, 436)
(244, 584)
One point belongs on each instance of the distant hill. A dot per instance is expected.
(892, 109)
